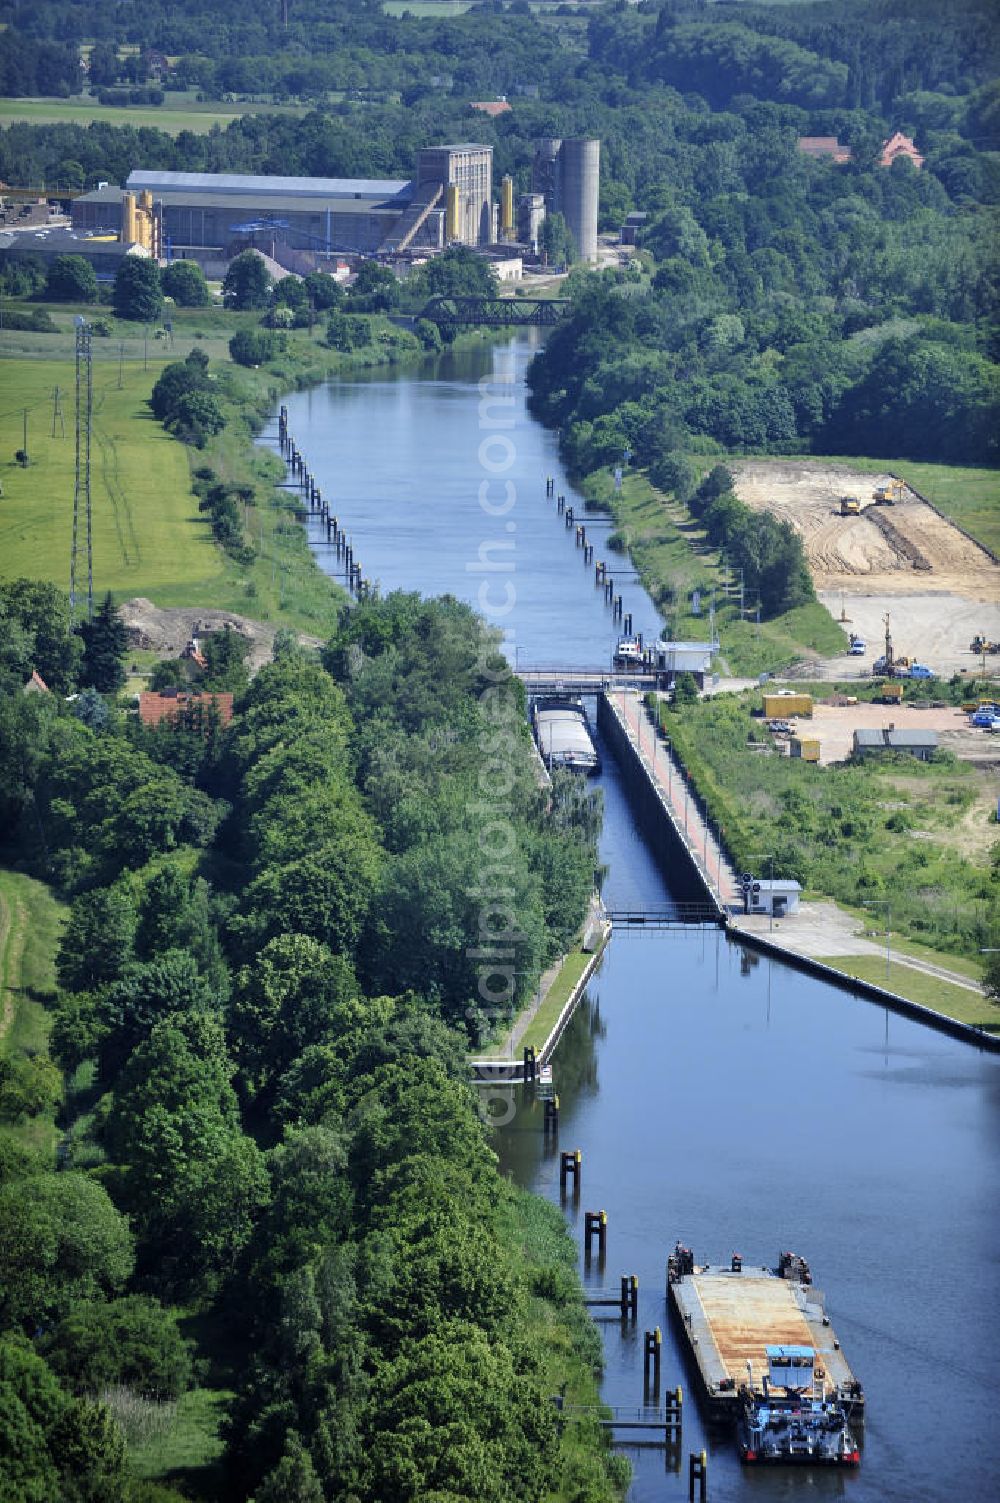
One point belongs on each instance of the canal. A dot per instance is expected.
(717, 1096)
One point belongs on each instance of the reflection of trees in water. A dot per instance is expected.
(574, 1066)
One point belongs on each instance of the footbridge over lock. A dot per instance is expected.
(589, 680)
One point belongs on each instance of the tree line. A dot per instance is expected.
(265, 1001)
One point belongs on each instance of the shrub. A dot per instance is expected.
(184, 281)
(71, 279)
(253, 346)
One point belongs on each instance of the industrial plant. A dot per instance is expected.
(302, 221)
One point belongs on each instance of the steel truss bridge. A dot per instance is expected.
(496, 312)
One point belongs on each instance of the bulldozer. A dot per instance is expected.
(888, 494)
(982, 644)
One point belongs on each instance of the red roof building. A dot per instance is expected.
(36, 684)
(180, 706)
(818, 147)
(898, 146)
(491, 107)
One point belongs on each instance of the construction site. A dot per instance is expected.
(874, 545)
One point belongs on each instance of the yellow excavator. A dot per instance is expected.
(890, 493)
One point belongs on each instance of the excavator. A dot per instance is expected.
(890, 493)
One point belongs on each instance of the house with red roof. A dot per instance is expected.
(898, 146)
(819, 147)
(188, 708)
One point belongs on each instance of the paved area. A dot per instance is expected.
(823, 931)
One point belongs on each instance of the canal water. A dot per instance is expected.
(717, 1096)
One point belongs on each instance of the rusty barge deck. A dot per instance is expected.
(730, 1315)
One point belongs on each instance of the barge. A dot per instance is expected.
(562, 733)
(767, 1358)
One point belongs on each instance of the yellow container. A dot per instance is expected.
(808, 750)
(778, 705)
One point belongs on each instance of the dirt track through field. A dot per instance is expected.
(937, 604)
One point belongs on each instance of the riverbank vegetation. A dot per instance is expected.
(275, 1189)
(686, 573)
(857, 832)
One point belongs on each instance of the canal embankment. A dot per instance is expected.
(537, 1029)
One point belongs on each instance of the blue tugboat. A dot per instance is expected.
(790, 1418)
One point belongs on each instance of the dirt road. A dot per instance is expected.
(938, 586)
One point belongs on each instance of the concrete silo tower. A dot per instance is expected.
(580, 181)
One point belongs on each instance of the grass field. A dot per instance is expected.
(179, 113)
(147, 534)
(177, 1443)
(954, 1001)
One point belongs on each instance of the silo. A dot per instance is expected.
(453, 220)
(507, 227)
(581, 179)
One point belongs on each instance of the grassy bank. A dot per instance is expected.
(928, 991)
(674, 557)
(874, 831)
(567, 1345)
(558, 995)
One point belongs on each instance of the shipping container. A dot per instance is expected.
(779, 705)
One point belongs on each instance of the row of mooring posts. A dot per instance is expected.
(626, 1301)
(303, 478)
(602, 579)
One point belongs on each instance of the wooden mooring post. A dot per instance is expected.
(550, 1114)
(652, 1352)
(530, 1063)
(630, 1297)
(673, 1415)
(570, 1162)
(595, 1226)
(698, 1473)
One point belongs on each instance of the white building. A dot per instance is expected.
(685, 657)
(778, 896)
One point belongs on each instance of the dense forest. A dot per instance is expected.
(270, 975)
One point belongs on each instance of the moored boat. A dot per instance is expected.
(563, 734)
(790, 1417)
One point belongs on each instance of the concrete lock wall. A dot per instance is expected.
(686, 878)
